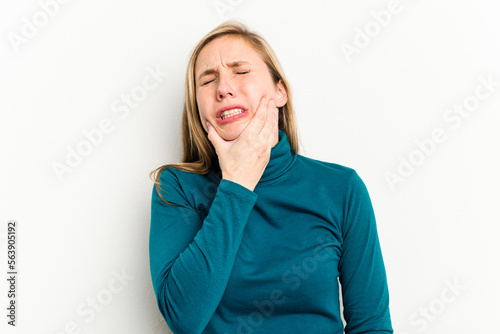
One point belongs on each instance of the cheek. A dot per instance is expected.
(201, 103)
(258, 90)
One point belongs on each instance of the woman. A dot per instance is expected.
(247, 235)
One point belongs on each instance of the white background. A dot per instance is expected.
(438, 225)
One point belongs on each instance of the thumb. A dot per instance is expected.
(213, 136)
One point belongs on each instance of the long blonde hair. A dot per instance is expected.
(198, 151)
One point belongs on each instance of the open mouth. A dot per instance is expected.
(231, 112)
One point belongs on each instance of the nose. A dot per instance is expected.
(224, 88)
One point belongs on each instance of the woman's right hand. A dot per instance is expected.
(244, 159)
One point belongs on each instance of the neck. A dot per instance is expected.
(280, 161)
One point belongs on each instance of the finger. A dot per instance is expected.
(273, 124)
(270, 124)
(257, 123)
(272, 116)
(213, 136)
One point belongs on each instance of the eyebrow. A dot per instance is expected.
(237, 63)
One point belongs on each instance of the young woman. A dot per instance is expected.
(247, 235)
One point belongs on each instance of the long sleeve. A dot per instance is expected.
(191, 260)
(361, 267)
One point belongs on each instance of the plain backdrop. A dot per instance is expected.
(410, 100)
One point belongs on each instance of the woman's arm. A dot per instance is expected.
(191, 260)
(362, 273)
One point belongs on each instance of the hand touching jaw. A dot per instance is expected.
(244, 159)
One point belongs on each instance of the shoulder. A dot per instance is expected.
(180, 186)
(175, 177)
(343, 180)
(327, 170)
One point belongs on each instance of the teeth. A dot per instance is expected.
(231, 112)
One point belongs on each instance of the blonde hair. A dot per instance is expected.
(198, 151)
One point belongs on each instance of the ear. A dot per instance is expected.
(281, 94)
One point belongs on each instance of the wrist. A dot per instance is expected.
(242, 183)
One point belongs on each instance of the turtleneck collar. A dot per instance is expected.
(281, 159)
(279, 163)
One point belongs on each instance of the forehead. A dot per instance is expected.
(224, 50)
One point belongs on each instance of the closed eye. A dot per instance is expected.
(207, 82)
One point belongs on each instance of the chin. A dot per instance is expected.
(232, 132)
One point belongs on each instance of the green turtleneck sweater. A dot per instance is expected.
(231, 260)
